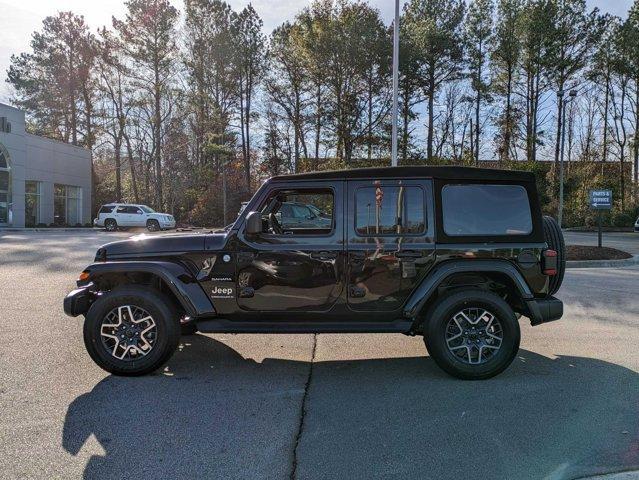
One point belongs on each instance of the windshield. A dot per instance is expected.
(146, 209)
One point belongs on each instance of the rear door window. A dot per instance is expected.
(389, 210)
(476, 210)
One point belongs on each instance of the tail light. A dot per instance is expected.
(549, 262)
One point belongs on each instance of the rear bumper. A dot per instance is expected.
(78, 301)
(543, 310)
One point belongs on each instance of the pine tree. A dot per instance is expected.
(148, 37)
(505, 57)
(435, 28)
(478, 36)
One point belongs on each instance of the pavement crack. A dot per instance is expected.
(303, 409)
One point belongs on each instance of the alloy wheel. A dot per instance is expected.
(128, 332)
(474, 336)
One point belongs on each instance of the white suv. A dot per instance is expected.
(124, 215)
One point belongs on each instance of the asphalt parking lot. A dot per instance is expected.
(311, 407)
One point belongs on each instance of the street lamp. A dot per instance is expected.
(560, 95)
(395, 85)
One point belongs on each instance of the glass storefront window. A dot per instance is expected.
(73, 205)
(67, 205)
(31, 203)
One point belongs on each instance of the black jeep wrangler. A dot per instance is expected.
(454, 254)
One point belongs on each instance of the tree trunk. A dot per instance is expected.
(636, 141)
(242, 120)
(370, 116)
(72, 94)
(158, 140)
(118, 167)
(477, 108)
(247, 119)
(431, 116)
(405, 122)
(605, 119)
(318, 124)
(507, 133)
(560, 111)
(134, 182)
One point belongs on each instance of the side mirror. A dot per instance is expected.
(253, 223)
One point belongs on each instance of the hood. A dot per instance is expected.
(149, 245)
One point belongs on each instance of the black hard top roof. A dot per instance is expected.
(443, 172)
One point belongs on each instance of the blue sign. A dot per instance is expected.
(601, 199)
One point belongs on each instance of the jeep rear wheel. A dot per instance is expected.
(472, 334)
(110, 225)
(131, 330)
(153, 225)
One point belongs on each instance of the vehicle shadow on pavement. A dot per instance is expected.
(213, 413)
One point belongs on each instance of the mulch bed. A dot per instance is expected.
(587, 252)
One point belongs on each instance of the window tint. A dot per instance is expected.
(106, 209)
(299, 212)
(384, 210)
(120, 210)
(486, 210)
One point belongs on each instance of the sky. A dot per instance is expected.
(20, 18)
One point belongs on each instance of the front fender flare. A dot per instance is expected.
(180, 281)
(435, 277)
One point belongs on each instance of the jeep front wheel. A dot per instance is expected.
(132, 330)
(472, 334)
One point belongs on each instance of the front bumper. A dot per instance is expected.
(166, 224)
(78, 301)
(543, 310)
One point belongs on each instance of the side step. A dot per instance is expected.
(221, 325)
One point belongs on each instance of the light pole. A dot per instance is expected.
(395, 84)
(560, 95)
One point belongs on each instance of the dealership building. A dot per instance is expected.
(42, 181)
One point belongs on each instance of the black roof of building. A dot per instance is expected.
(443, 172)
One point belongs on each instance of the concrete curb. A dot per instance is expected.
(631, 475)
(51, 230)
(603, 263)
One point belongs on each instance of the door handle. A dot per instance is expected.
(324, 255)
(408, 254)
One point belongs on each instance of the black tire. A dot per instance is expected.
(153, 226)
(445, 308)
(188, 329)
(555, 240)
(110, 225)
(164, 315)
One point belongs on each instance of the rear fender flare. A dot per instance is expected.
(180, 281)
(424, 292)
